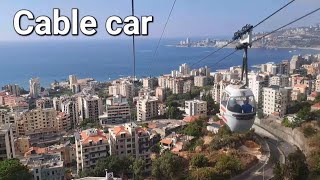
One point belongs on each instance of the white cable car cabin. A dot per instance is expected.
(238, 108)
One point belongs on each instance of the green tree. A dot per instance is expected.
(260, 114)
(286, 123)
(309, 131)
(115, 164)
(156, 148)
(199, 160)
(168, 166)
(304, 113)
(137, 168)
(194, 128)
(12, 169)
(228, 166)
(278, 171)
(296, 167)
(206, 173)
(174, 113)
(89, 123)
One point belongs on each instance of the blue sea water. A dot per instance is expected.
(55, 60)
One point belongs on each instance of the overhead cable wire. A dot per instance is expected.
(164, 28)
(133, 55)
(262, 21)
(267, 34)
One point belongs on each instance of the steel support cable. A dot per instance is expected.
(252, 28)
(288, 24)
(164, 28)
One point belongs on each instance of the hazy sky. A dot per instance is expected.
(191, 18)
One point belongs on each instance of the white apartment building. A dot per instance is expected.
(184, 69)
(256, 84)
(117, 111)
(317, 84)
(275, 101)
(130, 140)
(70, 107)
(72, 81)
(217, 90)
(161, 94)
(46, 166)
(196, 108)
(35, 88)
(200, 81)
(279, 80)
(91, 145)
(187, 86)
(296, 62)
(7, 150)
(147, 108)
(9, 118)
(90, 107)
(123, 88)
(177, 86)
(149, 83)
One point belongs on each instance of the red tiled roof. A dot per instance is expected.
(300, 86)
(317, 105)
(190, 119)
(119, 129)
(314, 94)
(94, 138)
(166, 141)
(37, 150)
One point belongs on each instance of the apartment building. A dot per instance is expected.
(39, 121)
(256, 83)
(9, 118)
(72, 81)
(91, 145)
(177, 86)
(7, 150)
(149, 83)
(44, 103)
(275, 101)
(117, 111)
(13, 89)
(196, 108)
(147, 108)
(200, 81)
(161, 94)
(70, 107)
(123, 88)
(217, 90)
(279, 80)
(63, 121)
(187, 86)
(130, 140)
(90, 107)
(46, 166)
(35, 88)
(184, 69)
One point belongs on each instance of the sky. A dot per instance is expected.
(190, 18)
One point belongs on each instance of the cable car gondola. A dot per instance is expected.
(238, 108)
(237, 104)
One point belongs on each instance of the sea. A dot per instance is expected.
(106, 60)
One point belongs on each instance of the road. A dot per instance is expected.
(278, 151)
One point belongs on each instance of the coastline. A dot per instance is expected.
(269, 47)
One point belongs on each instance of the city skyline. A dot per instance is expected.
(189, 19)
